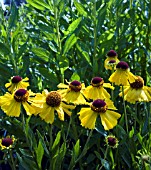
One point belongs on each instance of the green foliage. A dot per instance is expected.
(50, 41)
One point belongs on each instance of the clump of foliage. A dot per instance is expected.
(51, 41)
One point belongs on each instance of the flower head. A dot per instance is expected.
(104, 109)
(7, 142)
(122, 75)
(17, 82)
(11, 103)
(111, 141)
(137, 92)
(51, 102)
(96, 90)
(111, 60)
(73, 92)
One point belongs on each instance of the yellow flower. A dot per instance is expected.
(17, 83)
(7, 142)
(96, 89)
(137, 92)
(73, 92)
(104, 109)
(111, 60)
(11, 103)
(122, 75)
(51, 102)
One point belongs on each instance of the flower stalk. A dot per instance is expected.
(125, 113)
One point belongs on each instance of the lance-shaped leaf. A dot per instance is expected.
(69, 43)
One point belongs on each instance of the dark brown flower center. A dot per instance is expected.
(111, 141)
(53, 99)
(122, 65)
(112, 61)
(139, 83)
(99, 106)
(111, 53)
(75, 86)
(21, 95)
(97, 81)
(7, 142)
(16, 79)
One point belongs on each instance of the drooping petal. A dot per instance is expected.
(29, 109)
(44, 111)
(50, 116)
(67, 106)
(108, 85)
(60, 113)
(131, 77)
(87, 118)
(109, 119)
(11, 108)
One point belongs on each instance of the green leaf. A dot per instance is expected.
(63, 63)
(13, 16)
(39, 153)
(43, 142)
(73, 26)
(39, 4)
(5, 71)
(57, 140)
(107, 35)
(48, 74)
(22, 163)
(69, 43)
(131, 133)
(26, 153)
(75, 154)
(75, 76)
(84, 53)
(60, 156)
(4, 50)
(41, 52)
(76, 149)
(80, 8)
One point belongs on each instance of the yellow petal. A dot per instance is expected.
(29, 109)
(25, 79)
(12, 108)
(67, 111)
(44, 111)
(62, 86)
(50, 116)
(108, 85)
(109, 119)
(131, 77)
(8, 85)
(67, 106)
(87, 118)
(60, 113)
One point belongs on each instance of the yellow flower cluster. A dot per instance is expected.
(94, 99)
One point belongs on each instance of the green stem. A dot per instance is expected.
(149, 130)
(112, 91)
(56, 13)
(51, 137)
(12, 160)
(85, 147)
(95, 38)
(125, 114)
(69, 127)
(135, 116)
(105, 155)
